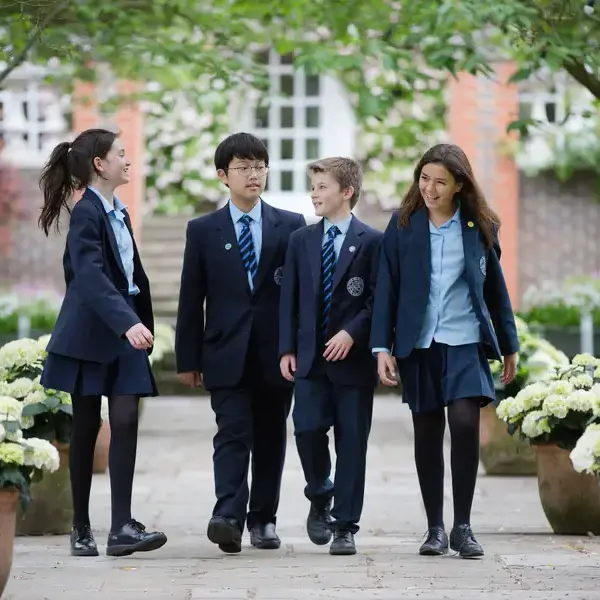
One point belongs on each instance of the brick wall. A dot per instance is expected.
(559, 229)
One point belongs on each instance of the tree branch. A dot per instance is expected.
(32, 40)
(578, 72)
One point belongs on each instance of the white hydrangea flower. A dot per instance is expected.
(27, 422)
(556, 406)
(41, 454)
(10, 409)
(583, 381)
(535, 424)
(510, 409)
(561, 387)
(14, 436)
(585, 360)
(582, 400)
(532, 395)
(20, 387)
(20, 353)
(43, 341)
(35, 397)
(11, 453)
(586, 454)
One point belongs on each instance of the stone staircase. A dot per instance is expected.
(161, 249)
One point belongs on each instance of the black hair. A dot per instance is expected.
(71, 167)
(240, 145)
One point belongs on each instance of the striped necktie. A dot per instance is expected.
(247, 247)
(327, 269)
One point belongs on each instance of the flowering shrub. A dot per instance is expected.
(586, 454)
(537, 359)
(39, 304)
(22, 460)
(558, 409)
(46, 413)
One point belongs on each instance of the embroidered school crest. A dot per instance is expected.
(355, 286)
(278, 275)
(482, 265)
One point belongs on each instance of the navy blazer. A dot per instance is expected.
(404, 277)
(213, 271)
(95, 315)
(351, 303)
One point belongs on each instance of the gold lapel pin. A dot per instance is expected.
(471, 224)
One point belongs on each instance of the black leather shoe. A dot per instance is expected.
(343, 544)
(317, 523)
(133, 537)
(436, 543)
(463, 541)
(264, 537)
(82, 541)
(226, 534)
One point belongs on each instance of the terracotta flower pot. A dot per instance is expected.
(500, 452)
(9, 497)
(571, 500)
(101, 450)
(51, 509)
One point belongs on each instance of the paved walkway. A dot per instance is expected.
(174, 492)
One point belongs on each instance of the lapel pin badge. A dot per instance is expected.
(228, 246)
(471, 224)
(352, 248)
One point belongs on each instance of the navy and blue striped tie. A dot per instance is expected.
(247, 247)
(327, 269)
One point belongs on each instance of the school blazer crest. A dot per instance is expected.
(403, 282)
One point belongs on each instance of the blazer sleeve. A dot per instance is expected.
(387, 288)
(497, 299)
(84, 242)
(359, 327)
(289, 301)
(189, 330)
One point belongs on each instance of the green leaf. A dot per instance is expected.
(31, 410)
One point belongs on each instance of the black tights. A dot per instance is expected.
(463, 420)
(123, 419)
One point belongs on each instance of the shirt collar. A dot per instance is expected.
(455, 219)
(342, 225)
(236, 214)
(106, 204)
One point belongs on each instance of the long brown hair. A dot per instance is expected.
(473, 203)
(70, 167)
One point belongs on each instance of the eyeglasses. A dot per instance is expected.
(246, 171)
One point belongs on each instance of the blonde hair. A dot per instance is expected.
(347, 172)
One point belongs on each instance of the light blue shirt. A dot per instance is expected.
(449, 317)
(338, 240)
(255, 228)
(122, 235)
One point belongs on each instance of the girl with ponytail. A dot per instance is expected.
(103, 334)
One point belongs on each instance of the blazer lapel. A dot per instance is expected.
(270, 243)
(109, 230)
(421, 237)
(314, 243)
(470, 236)
(349, 250)
(229, 248)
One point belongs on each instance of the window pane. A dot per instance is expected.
(312, 85)
(287, 116)
(261, 117)
(286, 85)
(312, 149)
(287, 181)
(287, 59)
(262, 58)
(287, 149)
(312, 116)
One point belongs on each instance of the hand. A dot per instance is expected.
(140, 337)
(387, 369)
(510, 368)
(287, 366)
(338, 346)
(191, 379)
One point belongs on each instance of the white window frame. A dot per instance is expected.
(336, 131)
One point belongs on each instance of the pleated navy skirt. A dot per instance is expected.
(130, 374)
(434, 377)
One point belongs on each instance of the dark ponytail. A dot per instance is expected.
(70, 167)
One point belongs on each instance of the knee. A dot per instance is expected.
(125, 420)
(234, 430)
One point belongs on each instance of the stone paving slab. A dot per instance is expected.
(174, 492)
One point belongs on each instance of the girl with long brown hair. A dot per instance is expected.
(441, 310)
